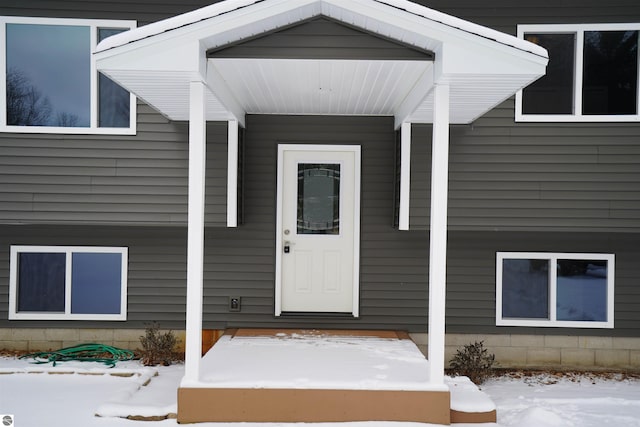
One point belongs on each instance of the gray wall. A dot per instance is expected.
(504, 176)
(498, 14)
(240, 262)
(156, 273)
(394, 276)
(520, 187)
(471, 277)
(394, 264)
(132, 180)
(320, 38)
(532, 176)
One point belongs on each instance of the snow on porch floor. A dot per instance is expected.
(316, 360)
(329, 360)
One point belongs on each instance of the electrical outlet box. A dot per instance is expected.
(235, 303)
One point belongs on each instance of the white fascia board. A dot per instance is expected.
(416, 96)
(463, 51)
(223, 93)
(400, 20)
(173, 55)
(387, 10)
(173, 23)
(259, 19)
(214, 30)
(459, 59)
(465, 26)
(408, 17)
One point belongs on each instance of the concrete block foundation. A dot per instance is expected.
(511, 350)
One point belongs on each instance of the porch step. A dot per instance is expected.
(254, 375)
(468, 403)
(296, 405)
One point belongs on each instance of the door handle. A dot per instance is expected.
(286, 247)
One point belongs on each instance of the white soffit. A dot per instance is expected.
(328, 87)
(482, 66)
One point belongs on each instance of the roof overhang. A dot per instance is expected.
(482, 67)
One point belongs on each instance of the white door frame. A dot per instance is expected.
(356, 220)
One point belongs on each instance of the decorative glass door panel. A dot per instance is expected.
(318, 199)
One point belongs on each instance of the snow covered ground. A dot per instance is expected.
(72, 393)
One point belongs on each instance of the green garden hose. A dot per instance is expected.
(84, 353)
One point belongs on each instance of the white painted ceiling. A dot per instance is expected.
(324, 87)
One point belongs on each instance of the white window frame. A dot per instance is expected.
(67, 315)
(93, 127)
(553, 259)
(577, 116)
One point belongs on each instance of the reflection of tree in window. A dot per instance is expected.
(114, 104)
(52, 64)
(26, 106)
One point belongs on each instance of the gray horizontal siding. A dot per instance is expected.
(393, 284)
(506, 179)
(241, 262)
(394, 265)
(320, 38)
(106, 179)
(528, 176)
(156, 273)
(504, 175)
(81, 179)
(498, 14)
(471, 277)
(144, 11)
(537, 176)
(504, 15)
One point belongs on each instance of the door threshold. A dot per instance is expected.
(316, 314)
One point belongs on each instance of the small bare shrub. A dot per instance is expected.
(473, 361)
(158, 347)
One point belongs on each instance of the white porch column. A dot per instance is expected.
(405, 175)
(438, 232)
(232, 173)
(195, 232)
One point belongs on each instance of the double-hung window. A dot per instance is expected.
(592, 75)
(49, 82)
(68, 283)
(555, 289)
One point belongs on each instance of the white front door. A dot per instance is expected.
(318, 229)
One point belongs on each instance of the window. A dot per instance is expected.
(49, 82)
(592, 74)
(68, 283)
(562, 289)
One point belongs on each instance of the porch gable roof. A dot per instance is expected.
(482, 66)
